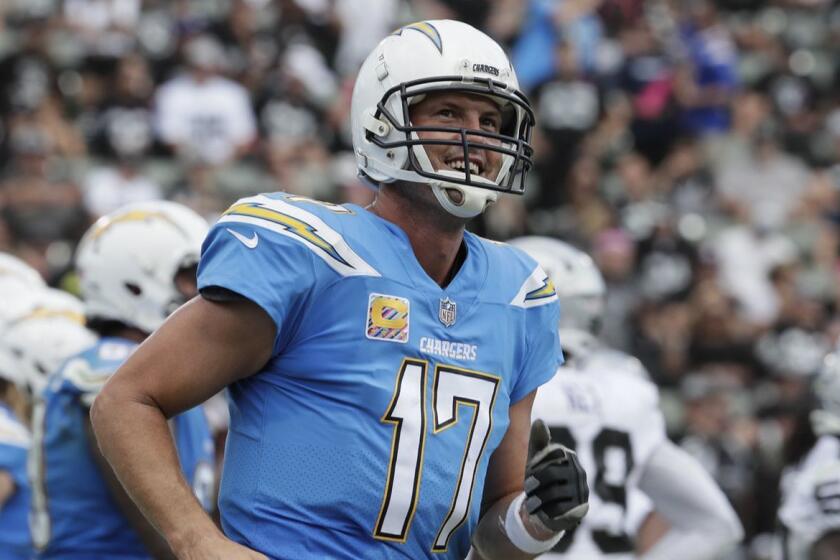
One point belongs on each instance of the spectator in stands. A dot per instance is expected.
(706, 81)
(40, 206)
(767, 186)
(123, 132)
(567, 106)
(647, 76)
(203, 116)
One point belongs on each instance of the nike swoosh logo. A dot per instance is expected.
(250, 242)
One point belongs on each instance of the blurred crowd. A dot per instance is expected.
(692, 147)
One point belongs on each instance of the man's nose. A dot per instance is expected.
(472, 120)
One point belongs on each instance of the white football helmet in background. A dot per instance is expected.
(581, 291)
(39, 342)
(11, 267)
(580, 286)
(18, 283)
(432, 56)
(127, 262)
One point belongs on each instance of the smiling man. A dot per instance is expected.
(381, 362)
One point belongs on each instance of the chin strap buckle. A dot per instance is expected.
(375, 126)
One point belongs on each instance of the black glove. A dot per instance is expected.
(555, 483)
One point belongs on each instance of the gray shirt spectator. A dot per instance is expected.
(203, 115)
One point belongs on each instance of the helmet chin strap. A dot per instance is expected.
(474, 200)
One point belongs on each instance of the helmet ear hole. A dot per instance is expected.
(133, 288)
(456, 196)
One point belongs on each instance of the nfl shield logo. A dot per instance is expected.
(446, 313)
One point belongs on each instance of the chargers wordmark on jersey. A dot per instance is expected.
(387, 318)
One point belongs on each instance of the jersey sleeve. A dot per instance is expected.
(648, 422)
(274, 273)
(542, 343)
(272, 251)
(86, 374)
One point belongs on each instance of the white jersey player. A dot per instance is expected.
(810, 510)
(602, 404)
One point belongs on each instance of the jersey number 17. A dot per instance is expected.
(452, 388)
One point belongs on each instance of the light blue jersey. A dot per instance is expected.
(368, 433)
(15, 543)
(74, 516)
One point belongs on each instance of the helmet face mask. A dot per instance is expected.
(512, 141)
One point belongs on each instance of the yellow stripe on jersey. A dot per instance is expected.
(537, 290)
(545, 291)
(290, 223)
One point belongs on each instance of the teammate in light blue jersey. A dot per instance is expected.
(15, 543)
(17, 280)
(381, 362)
(75, 514)
(135, 266)
(39, 327)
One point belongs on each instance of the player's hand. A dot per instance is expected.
(555, 484)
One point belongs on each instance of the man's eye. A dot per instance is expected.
(446, 113)
(492, 124)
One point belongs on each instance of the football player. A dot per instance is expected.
(17, 280)
(15, 542)
(810, 510)
(136, 265)
(33, 312)
(381, 361)
(602, 404)
(13, 269)
(50, 330)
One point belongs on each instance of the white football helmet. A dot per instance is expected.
(12, 267)
(127, 262)
(24, 304)
(427, 57)
(826, 420)
(580, 287)
(39, 342)
(18, 283)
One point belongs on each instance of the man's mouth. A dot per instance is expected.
(459, 164)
